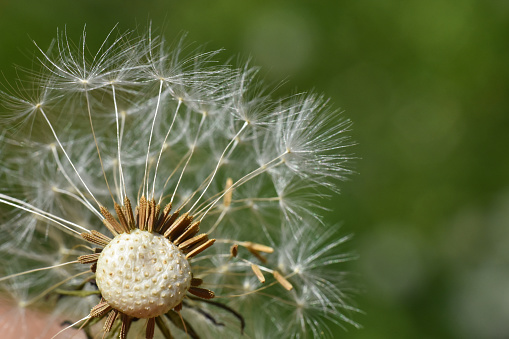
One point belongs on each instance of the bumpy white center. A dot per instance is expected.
(142, 274)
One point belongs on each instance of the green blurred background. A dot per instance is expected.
(426, 83)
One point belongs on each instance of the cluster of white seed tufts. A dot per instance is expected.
(224, 234)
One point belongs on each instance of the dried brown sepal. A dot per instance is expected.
(92, 238)
(97, 250)
(200, 248)
(258, 272)
(88, 258)
(196, 282)
(110, 222)
(149, 333)
(93, 267)
(199, 239)
(188, 233)
(201, 292)
(178, 226)
(227, 200)
(108, 324)
(282, 281)
(126, 324)
(234, 250)
(100, 309)
(121, 218)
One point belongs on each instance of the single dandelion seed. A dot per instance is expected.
(160, 193)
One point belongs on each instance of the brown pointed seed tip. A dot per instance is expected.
(110, 222)
(258, 272)
(149, 334)
(108, 324)
(121, 217)
(126, 324)
(257, 255)
(227, 200)
(282, 281)
(90, 237)
(128, 211)
(201, 292)
(200, 238)
(234, 250)
(100, 309)
(200, 248)
(88, 258)
(257, 247)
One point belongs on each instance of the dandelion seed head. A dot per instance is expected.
(145, 180)
(148, 253)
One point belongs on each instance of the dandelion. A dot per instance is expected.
(149, 191)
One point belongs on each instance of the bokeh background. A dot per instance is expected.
(427, 86)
